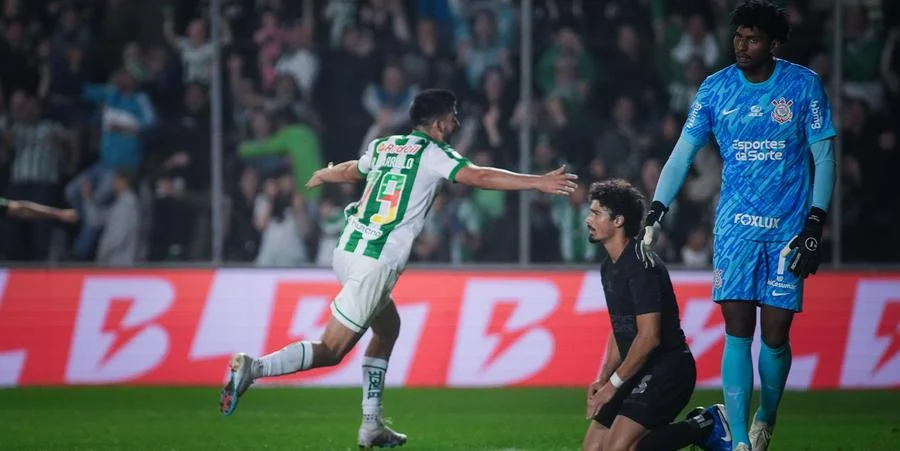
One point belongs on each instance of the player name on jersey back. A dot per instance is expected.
(403, 174)
(764, 132)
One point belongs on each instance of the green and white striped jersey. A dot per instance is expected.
(403, 173)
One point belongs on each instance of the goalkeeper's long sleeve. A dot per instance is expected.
(823, 180)
(675, 170)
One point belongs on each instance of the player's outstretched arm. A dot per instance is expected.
(346, 172)
(557, 182)
(33, 211)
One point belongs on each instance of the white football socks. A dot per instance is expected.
(294, 357)
(374, 370)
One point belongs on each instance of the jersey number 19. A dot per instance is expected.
(389, 188)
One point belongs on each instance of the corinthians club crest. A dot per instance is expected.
(782, 112)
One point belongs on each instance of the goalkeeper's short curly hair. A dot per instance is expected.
(622, 199)
(763, 15)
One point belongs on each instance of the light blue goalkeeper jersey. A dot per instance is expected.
(764, 131)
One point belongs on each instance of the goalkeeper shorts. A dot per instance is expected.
(746, 270)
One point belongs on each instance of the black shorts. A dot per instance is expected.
(656, 395)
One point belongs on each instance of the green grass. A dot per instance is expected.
(163, 419)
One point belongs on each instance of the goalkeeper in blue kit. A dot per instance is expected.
(770, 118)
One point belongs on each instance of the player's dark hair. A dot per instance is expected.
(622, 199)
(765, 16)
(431, 105)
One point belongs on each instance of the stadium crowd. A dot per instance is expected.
(105, 108)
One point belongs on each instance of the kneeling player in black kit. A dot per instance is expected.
(649, 374)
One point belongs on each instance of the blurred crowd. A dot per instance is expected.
(106, 108)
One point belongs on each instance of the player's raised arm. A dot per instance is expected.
(557, 182)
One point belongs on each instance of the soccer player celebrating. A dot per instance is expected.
(649, 373)
(402, 175)
(770, 118)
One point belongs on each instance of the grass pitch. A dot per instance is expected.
(176, 419)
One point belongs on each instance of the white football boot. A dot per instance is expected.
(760, 434)
(378, 435)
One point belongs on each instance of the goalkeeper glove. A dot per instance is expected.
(647, 236)
(806, 260)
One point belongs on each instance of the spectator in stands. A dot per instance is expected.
(566, 63)
(37, 147)
(485, 122)
(126, 113)
(633, 74)
(180, 224)
(346, 74)
(195, 48)
(491, 203)
(485, 48)
(71, 33)
(241, 236)
(300, 59)
(18, 70)
(163, 82)
(431, 244)
(683, 90)
(68, 76)
(388, 102)
(696, 252)
(697, 41)
(134, 62)
(862, 55)
(464, 225)
(650, 171)
(120, 23)
(120, 222)
(388, 22)
(281, 216)
(427, 62)
(260, 130)
(269, 38)
(299, 144)
(624, 144)
(569, 214)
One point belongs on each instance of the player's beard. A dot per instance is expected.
(591, 238)
(753, 63)
(448, 134)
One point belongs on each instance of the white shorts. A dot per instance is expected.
(366, 286)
